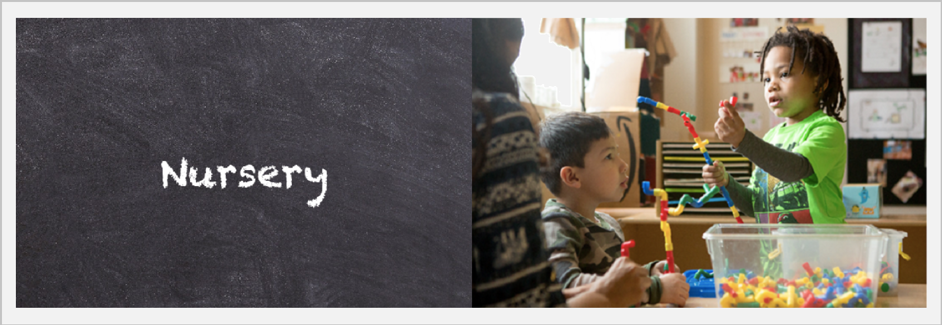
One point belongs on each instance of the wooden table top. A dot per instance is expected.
(893, 216)
(910, 296)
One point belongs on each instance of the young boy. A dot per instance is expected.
(584, 171)
(800, 162)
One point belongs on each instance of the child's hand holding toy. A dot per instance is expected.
(730, 127)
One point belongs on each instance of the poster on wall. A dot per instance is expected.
(880, 55)
(886, 114)
(919, 46)
(881, 45)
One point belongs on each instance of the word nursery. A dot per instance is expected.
(248, 173)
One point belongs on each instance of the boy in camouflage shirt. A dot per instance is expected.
(584, 171)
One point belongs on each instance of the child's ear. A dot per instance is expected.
(823, 87)
(569, 177)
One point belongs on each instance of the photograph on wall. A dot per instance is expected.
(876, 171)
(895, 149)
(907, 186)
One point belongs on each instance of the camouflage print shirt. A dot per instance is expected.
(580, 249)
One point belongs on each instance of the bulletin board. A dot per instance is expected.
(881, 61)
(879, 56)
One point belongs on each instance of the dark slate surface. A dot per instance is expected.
(381, 104)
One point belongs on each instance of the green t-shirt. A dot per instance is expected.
(816, 198)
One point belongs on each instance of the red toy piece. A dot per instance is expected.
(732, 101)
(625, 246)
(806, 265)
(670, 261)
(664, 210)
(690, 128)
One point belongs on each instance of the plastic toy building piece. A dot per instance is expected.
(699, 145)
(625, 247)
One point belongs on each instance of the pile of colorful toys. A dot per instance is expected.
(821, 288)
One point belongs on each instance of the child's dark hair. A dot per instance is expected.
(490, 72)
(490, 69)
(820, 57)
(568, 137)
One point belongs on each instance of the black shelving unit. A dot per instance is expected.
(679, 169)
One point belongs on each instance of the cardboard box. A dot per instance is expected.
(863, 201)
(626, 125)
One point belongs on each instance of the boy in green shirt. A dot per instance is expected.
(800, 163)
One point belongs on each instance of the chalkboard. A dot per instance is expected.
(380, 105)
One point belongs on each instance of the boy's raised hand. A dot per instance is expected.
(715, 175)
(729, 126)
(675, 289)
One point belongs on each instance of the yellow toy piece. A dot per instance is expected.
(904, 255)
(764, 295)
(843, 299)
(742, 278)
(825, 280)
(700, 144)
(870, 305)
(660, 194)
(777, 303)
(790, 296)
(666, 228)
(837, 271)
(817, 271)
(887, 277)
(860, 278)
(728, 301)
(775, 253)
(816, 292)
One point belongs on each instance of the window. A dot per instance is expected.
(551, 65)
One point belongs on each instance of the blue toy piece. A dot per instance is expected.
(703, 287)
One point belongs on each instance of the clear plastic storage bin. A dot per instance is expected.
(889, 268)
(796, 265)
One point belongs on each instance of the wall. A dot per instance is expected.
(680, 76)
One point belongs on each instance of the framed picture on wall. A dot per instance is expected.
(880, 55)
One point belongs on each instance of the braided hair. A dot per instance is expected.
(820, 58)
